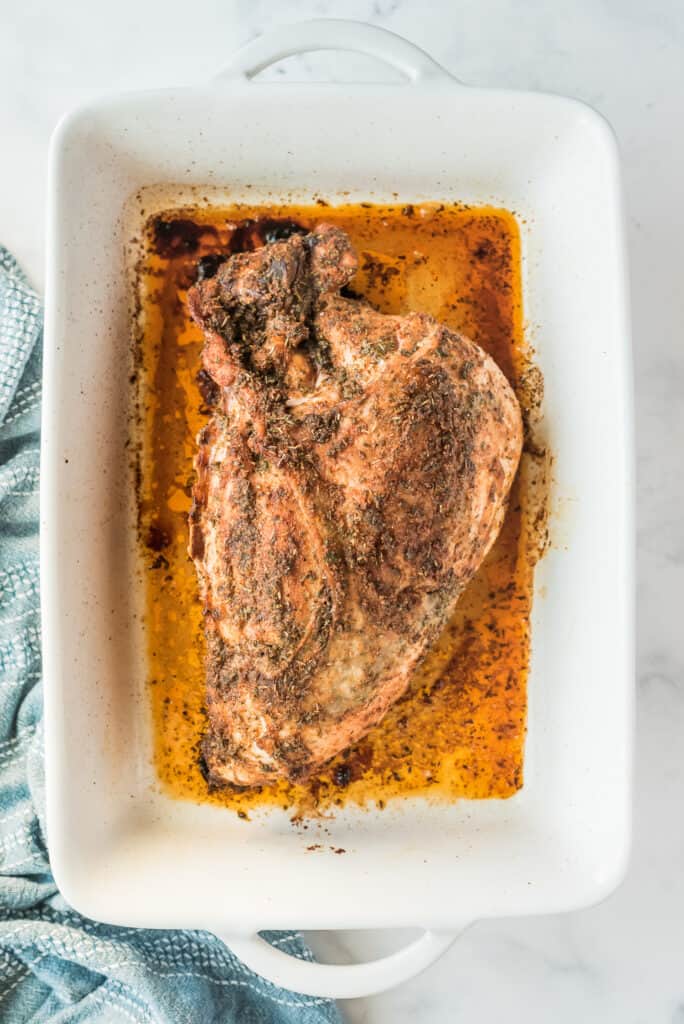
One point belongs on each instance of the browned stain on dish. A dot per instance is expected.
(459, 731)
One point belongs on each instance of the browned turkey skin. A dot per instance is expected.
(350, 481)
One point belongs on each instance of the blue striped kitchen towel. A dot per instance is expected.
(54, 964)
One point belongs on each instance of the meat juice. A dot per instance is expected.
(459, 730)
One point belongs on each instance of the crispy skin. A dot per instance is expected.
(350, 481)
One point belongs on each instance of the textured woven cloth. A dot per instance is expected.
(54, 964)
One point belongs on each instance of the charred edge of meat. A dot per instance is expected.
(208, 388)
(208, 265)
(205, 770)
(252, 234)
(214, 781)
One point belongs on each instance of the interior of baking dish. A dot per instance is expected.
(123, 851)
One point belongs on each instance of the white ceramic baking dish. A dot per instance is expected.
(123, 852)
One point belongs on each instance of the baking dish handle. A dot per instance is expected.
(333, 34)
(340, 981)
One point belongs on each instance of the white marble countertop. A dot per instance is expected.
(621, 962)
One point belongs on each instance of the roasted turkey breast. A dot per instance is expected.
(350, 480)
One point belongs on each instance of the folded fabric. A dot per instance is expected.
(54, 964)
